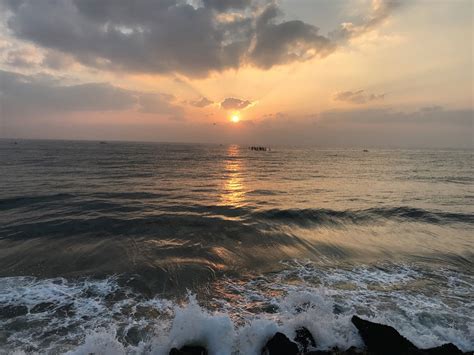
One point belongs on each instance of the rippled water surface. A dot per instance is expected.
(139, 247)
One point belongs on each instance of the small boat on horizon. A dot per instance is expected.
(259, 148)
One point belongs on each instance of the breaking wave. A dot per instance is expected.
(237, 315)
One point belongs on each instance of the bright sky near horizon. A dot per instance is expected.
(393, 73)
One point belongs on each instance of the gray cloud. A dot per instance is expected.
(286, 41)
(203, 102)
(170, 35)
(57, 61)
(381, 10)
(23, 95)
(370, 128)
(435, 115)
(224, 5)
(231, 103)
(357, 97)
(21, 58)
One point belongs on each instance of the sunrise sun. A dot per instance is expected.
(235, 118)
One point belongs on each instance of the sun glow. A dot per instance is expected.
(235, 118)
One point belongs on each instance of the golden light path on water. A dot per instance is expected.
(233, 192)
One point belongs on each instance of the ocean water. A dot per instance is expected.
(134, 248)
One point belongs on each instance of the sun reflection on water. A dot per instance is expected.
(233, 191)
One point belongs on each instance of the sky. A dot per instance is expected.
(330, 73)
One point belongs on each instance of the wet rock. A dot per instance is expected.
(279, 344)
(304, 338)
(13, 311)
(383, 339)
(335, 351)
(446, 349)
(42, 307)
(189, 350)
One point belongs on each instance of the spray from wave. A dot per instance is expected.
(237, 316)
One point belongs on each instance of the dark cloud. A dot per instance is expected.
(23, 95)
(203, 102)
(171, 35)
(357, 97)
(235, 104)
(286, 41)
(224, 5)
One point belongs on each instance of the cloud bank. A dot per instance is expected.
(175, 36)
(23, 95)
(357, 97)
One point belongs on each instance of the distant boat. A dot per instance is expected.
(102, 142)
(261, 149)
(366, 151)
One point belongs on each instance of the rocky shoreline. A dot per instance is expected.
(379, 339)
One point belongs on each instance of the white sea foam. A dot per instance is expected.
(240, 315)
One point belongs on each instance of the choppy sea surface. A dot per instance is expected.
(135, 248)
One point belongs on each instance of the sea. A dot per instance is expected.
(136, 248)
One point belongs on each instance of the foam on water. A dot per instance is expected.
(237, 316)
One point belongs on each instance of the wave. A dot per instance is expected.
(237, 315)
(116, 219)
(400, 214)
(136, 203)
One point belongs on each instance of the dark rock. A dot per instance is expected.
(189, 350)
(335, 351)
(279, 344)
(355, 351)
(42, 307)
(446, 349)
(304, 338)
(383, 339)
(13, 311)
(320, 352)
